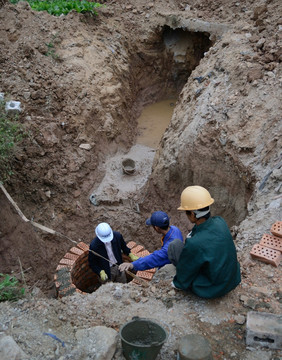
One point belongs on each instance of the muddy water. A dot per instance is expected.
(153, 122)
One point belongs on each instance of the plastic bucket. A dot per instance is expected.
(128, 166)
(142, 339)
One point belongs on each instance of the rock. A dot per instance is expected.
(254, 74)
(167, 272)
(260, 43)
(261, 290)
(85, 146)
(99, 342)
(193, 347)
(118, 293)
(9, 349)
(240, 319)
(77, 193)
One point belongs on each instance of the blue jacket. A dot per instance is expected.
(96, 263)
(159, 258)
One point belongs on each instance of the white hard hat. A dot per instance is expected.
(104, 232)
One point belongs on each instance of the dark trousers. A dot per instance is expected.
(174, 250)
(117, 276)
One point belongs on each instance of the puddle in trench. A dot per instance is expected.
(117, 185)
(153, 122)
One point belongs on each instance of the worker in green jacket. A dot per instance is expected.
(207, 263)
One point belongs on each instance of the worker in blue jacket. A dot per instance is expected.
(207, 263)
(160, 223)
(109, 245)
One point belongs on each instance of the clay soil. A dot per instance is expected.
(82, 82)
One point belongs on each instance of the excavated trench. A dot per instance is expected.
(159, 72)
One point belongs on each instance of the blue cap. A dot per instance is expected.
(158, 218)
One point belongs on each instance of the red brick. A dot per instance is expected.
(136, 249)
(266, 254)
(67, 291)
(276, 229)
(151, 270)
(80, 292)
(71, 256)
(136, 282)
(76, 251)
(83, 246)
(145, 275)
(68, 262)
(143, 253)
(271, 241)
(131, 244)
(60, 266)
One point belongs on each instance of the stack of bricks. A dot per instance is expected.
(73, 273)
(269, 250)
(141, 252)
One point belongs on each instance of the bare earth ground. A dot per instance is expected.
(84, 80)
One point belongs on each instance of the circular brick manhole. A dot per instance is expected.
(73, 273)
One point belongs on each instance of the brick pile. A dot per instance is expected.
(269, 249)
(139, 251)
(73, 273)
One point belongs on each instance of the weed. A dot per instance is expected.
(51, 50)
(59, 7)
(11, 133)
(10, 289)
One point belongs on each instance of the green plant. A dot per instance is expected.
(11, 133)
(59, 7)
(51, 50)
(10, 289)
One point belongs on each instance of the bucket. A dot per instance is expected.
(142, 339)
(128, 166)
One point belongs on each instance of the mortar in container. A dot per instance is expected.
(142, 339)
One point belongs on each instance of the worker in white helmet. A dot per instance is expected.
(110, 245)
(207, 263)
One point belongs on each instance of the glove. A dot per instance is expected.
(125, 266)
(133, 257)
(103, 275)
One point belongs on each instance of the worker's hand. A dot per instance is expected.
(125, 266)
(103, 275)
(133, 257)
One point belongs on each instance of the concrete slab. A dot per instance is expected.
(264, 329)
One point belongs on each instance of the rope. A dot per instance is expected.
(53, 232)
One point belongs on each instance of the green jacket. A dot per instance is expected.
(208, 263)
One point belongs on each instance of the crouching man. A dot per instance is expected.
(207, 262)
(160, 222)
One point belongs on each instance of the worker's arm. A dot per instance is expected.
(158, 258)
(123, 245)
(94, 262)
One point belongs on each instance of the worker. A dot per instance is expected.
(159, 221)
(207, 263)
(110, 245)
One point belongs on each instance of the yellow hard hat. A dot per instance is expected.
(194, 198)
